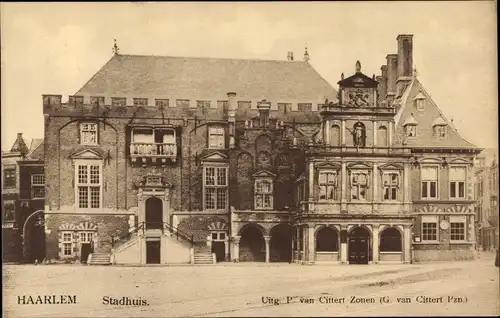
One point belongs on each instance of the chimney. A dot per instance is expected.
(231, 101)
(264, 107)
(392, 73)
(405, 61)
(290, 56)
(231, 112)
(382, 83)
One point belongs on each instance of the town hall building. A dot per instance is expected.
(198, 160)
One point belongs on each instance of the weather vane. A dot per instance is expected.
(116, 49)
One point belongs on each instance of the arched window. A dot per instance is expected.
(390, 240)
(327, 240)
(382, 136)
(335, 135)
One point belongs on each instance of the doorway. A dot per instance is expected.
(153, 251)
(154, 213)
(86, 249)
(219, 245)
(359, 246)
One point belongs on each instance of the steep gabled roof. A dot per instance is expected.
(425, 120)
(199, 78)
(19, 145)
(36, 149)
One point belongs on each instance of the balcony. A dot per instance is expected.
(152, 150)
(153, 145)
(321, 149)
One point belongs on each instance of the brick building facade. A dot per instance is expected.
(165, 159)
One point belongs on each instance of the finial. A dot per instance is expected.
(415, 72)
(306, 55)
(373, 76)
(358, 67)
(116, 49)
(342, 76)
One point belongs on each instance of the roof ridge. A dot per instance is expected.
(211, 58)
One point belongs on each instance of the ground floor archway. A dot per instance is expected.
(34, 237)
(252, 245)
(359, 246)
(281, 243)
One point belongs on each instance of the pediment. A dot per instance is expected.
(214, 156)
(391, 166)
(264, 174)
(328, 165)
(87, 154)
(429, 161)
(359, 165)
(358, 80)
(459, 161)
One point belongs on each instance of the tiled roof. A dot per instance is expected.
(36, 149)
(425, 120)
(19, 145)
(200, 78)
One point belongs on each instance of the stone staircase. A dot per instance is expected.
(100, 259)
(203, 258)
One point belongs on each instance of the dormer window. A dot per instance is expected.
(439, 127)
(420, 101)
(410, 126)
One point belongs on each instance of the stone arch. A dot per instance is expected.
(391, 240)
(86, 226)
(66, 227)
(252, 244)
(327, 239)
(280, 244)
(33, 238)
(359, 247)
(217, 226)
(263, 142)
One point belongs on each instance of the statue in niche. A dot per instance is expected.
(359, 134)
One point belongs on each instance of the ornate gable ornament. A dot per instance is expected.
(153, 180)
(87, 154)
(264, 174)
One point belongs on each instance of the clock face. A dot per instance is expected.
(444, 225)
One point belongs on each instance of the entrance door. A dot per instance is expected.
(153, 250)
(219, 248)
(358, 248)
(154, 213)
(86, 250)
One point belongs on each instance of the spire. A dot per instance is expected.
(358, 67)
(116, 49)
(306, 55)
(342, 76)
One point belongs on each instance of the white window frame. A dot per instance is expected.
(4, 210)
(458, 219)
(220, 236)
(216, 137)
(327, 184)
(457, 183)
(89, 236)
(215, 186)
(390, 186)
(269, 194)
(37, 184)
(4, 178)
(444, 130)
(88, 184)
(89, 128)
(351, 185)
(407, 130)
(420, 104)
(429, 182)
(65, 243)
(426, 219)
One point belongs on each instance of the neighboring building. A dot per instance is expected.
(13, 215)
(165, 159)
(487, 200)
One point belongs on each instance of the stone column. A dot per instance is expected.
(311, 246)
(375, 184)
(407, 244)
(343, 181)
(304, 244)
(226, 248)
(406, 184)
(267, 239)
(376, 243)
(374, 133)
(391, 125)
(236, 248)
(326, 132)
(311, 180)
(342, 132)
(343, 246)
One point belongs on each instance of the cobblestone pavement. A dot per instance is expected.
(467, 288)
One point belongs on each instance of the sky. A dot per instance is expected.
(54, 48)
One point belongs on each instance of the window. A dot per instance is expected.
(390, 240)
(38, 186)
(391, 184)
(89, 186)
(327, 185)
(118, 101)
(88, 133)
(359, 185)
(161, 103)
(216, 137)
(140, 102)
(429, 177)
(215, 188)
(9, 178)
(8, 211)
(441, 131)
(420, 104)
(457, 182)
(457, 228)
(218, 236)
(86, 237)
(67, 244)
(263, 194)
(429, 229)
(411, 130)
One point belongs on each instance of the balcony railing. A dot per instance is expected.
(326, 149)
(159, 150)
